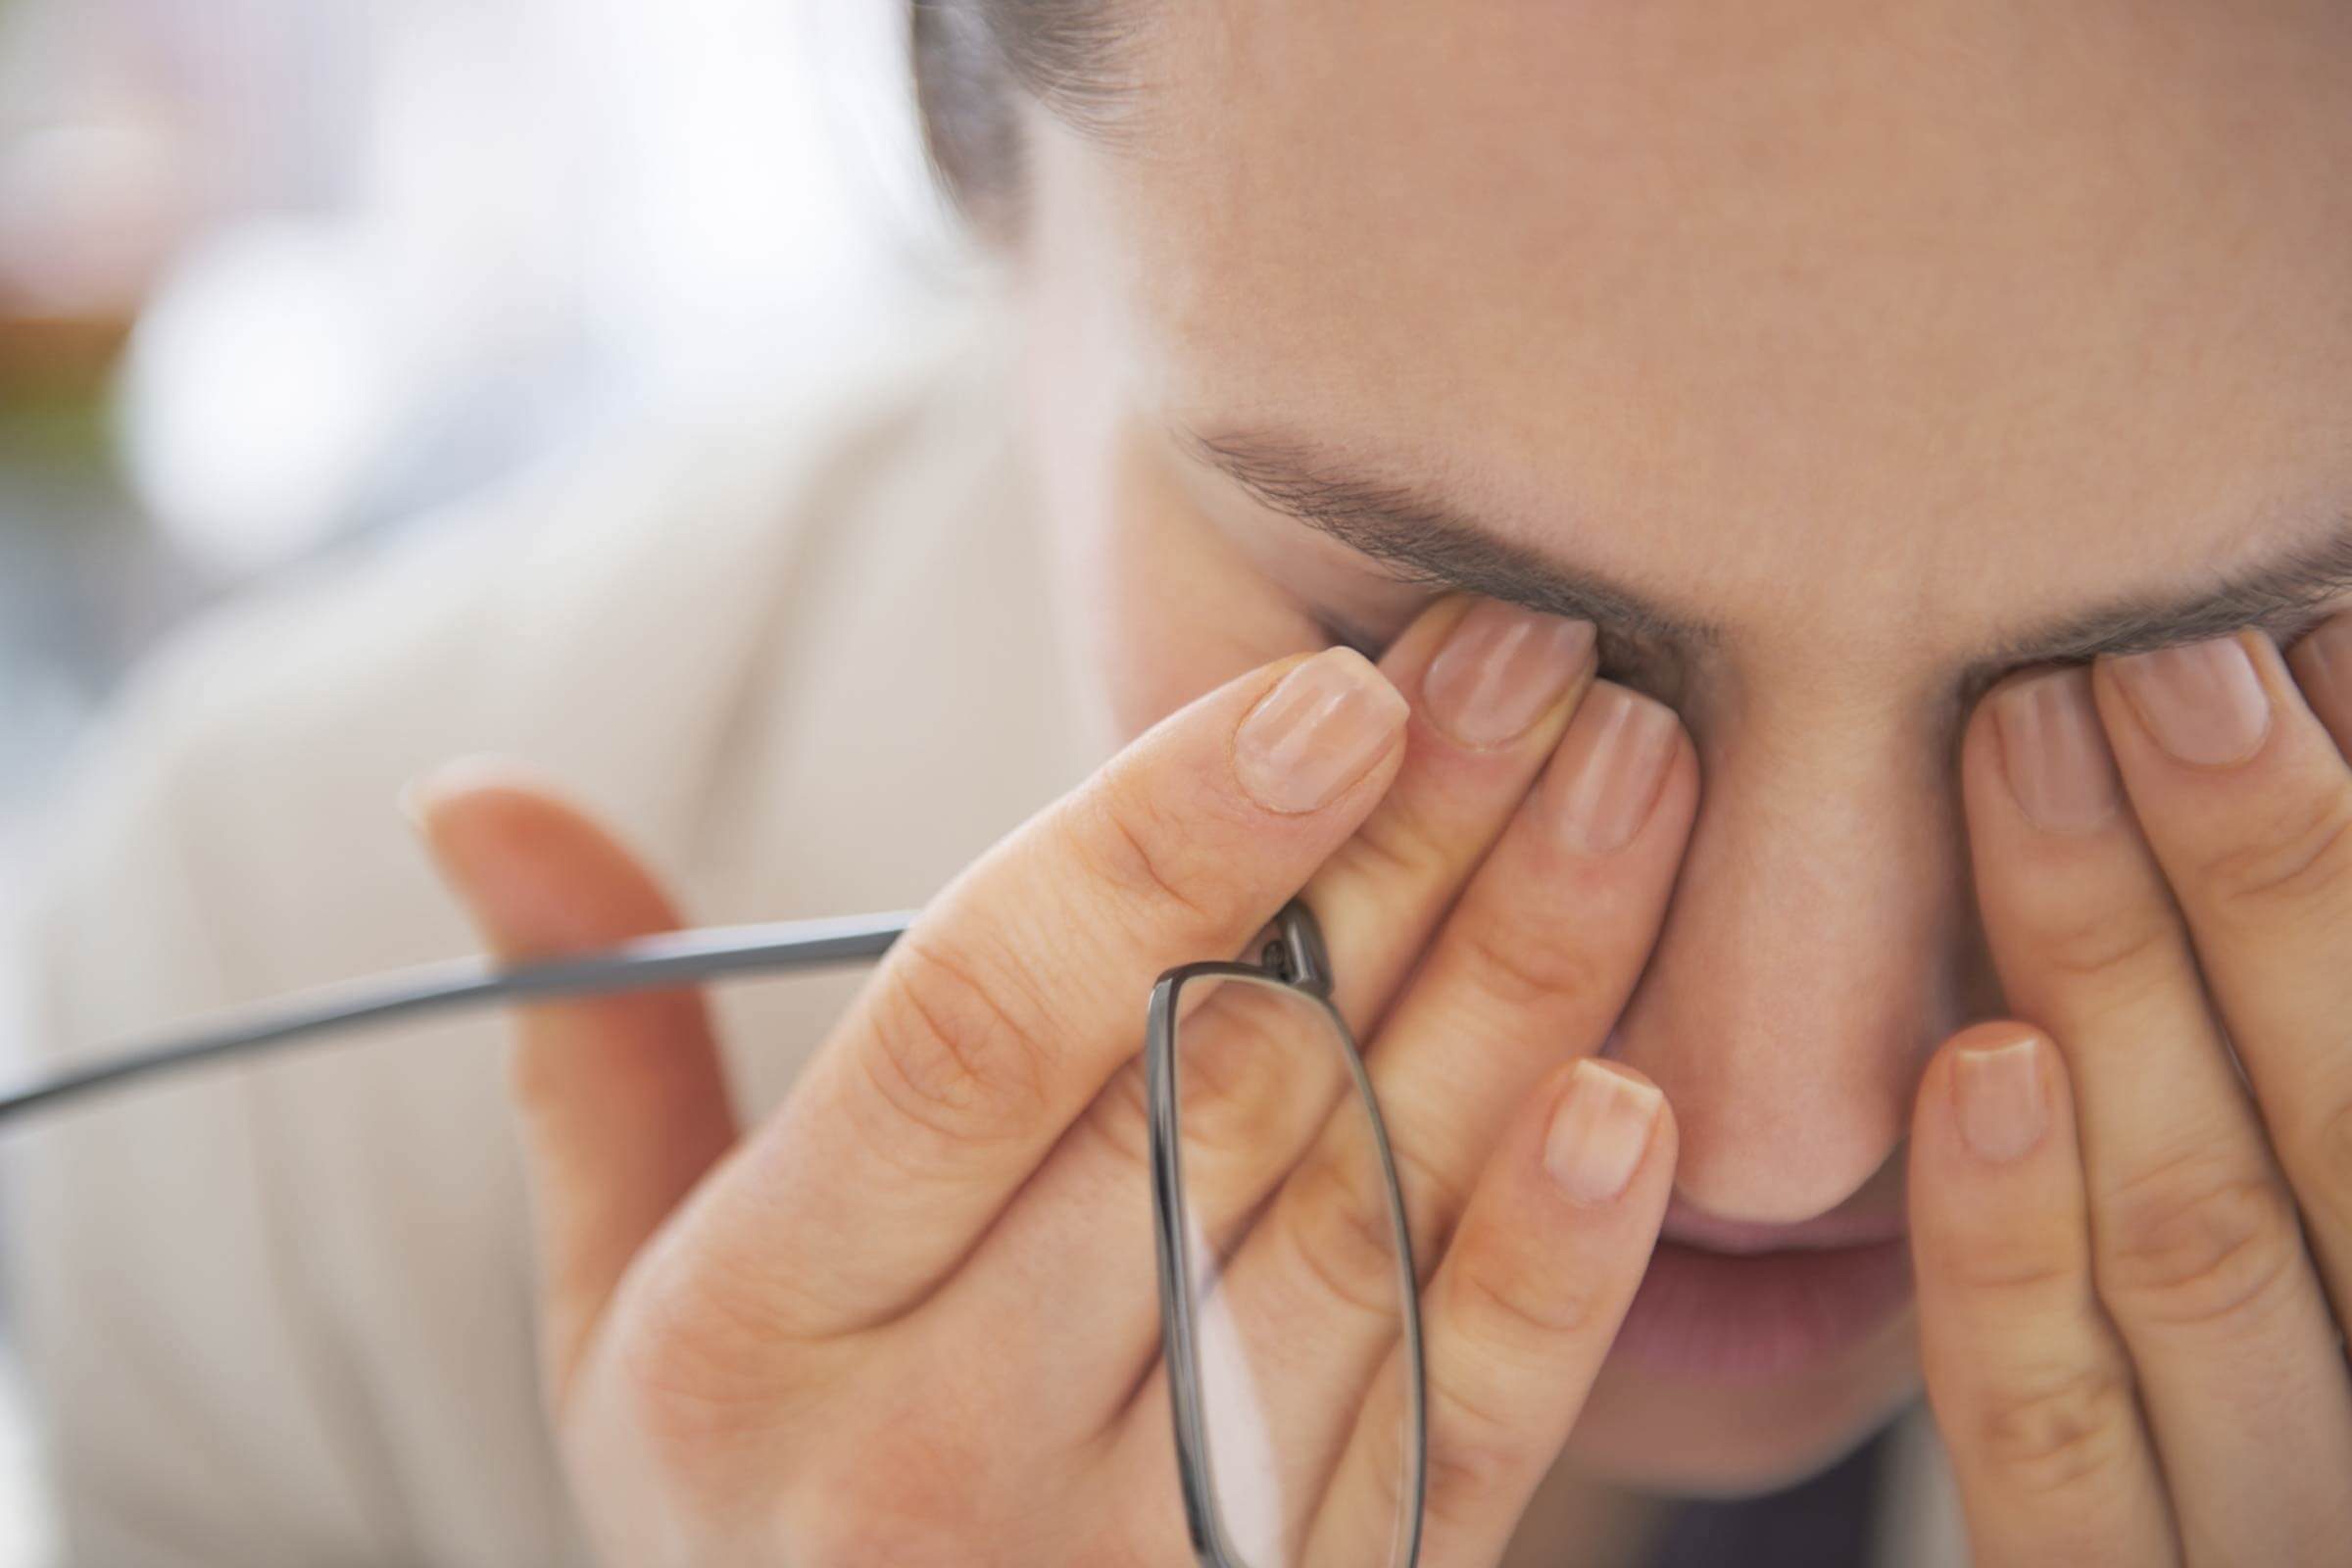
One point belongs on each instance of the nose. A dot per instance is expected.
(1816, 950)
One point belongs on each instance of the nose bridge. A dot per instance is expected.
(1809, 963)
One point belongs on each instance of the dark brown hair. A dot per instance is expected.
(972, 58)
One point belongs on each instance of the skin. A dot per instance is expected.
(1940, 335)
(1930, 344)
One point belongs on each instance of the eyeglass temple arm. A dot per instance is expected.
(672, 958)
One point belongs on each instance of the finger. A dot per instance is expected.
(623, 1101)
(1519, 1318)
(1019, 991)
(2033, 1394)
(1491, 688)
(2253, 827)
(1255, 1085)
(2322, 664)
(1530, 970)
(2195, 1246)
(1542, 952)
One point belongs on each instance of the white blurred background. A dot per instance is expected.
(278, 275)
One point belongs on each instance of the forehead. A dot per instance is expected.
(1706, 290)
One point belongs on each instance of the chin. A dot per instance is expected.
(1688, 1438)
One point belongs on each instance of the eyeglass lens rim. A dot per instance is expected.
(1296, 960)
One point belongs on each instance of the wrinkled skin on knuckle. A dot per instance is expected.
(2061, 1433)
(2194, 1244)
(2099, 940)
(1121, 1121)
(1516, 965)
(1237, 1095)
(1144, 866)
(1341, 1231)
(1478, 1463)
(2296, 862)
(1246, 1075)
(963, 1048)
(1400, 839)
(691, 1354)
(2021, 1261)
(1520, 1303)
(1435, 1200)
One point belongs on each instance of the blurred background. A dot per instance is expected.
(277, 277)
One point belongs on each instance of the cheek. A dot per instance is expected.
(1159, 606)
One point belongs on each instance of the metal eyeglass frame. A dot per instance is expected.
(1294, 958)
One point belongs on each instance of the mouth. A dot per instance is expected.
(1731, 1303)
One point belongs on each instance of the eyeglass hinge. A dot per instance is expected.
(1296, 954)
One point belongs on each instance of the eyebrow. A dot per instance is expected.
(1420, 539)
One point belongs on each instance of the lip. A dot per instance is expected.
(1747, 1317)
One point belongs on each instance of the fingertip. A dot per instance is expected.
(535, 871)
(461, 786)
(1603, 1131)
(1324, 726)
(1994, 1095)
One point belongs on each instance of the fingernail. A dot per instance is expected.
(1501, 668)
(1610, 765)
(2202, 700)
(1599, 1131)
(1317, 731)
(2055, 753)
(2002, 1110)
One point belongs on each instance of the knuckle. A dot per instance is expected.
(2193, 1243)
(1407, 846)
(1134, 852)
(2060, 1432)
(2105, 942)
(1435, 1200)
(696, 1363)
(1470, 1476)
(1242, 1086)
(1121, 1120)
(2294, 858)
(1250, 1067)
(958, 1049)
(2024, 1261)
(1475, 1463)
(1515, 963)
(1341, 1228)
(1504, 1300)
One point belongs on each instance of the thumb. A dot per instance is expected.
(621, 1100)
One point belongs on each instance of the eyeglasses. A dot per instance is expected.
(1254, 1400)
(1258, 1420)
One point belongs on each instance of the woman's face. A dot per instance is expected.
(1869, 347)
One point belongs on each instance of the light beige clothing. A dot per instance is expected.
(280, 1313)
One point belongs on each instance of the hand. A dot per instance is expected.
(913, 1317)
(2132, 1349)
